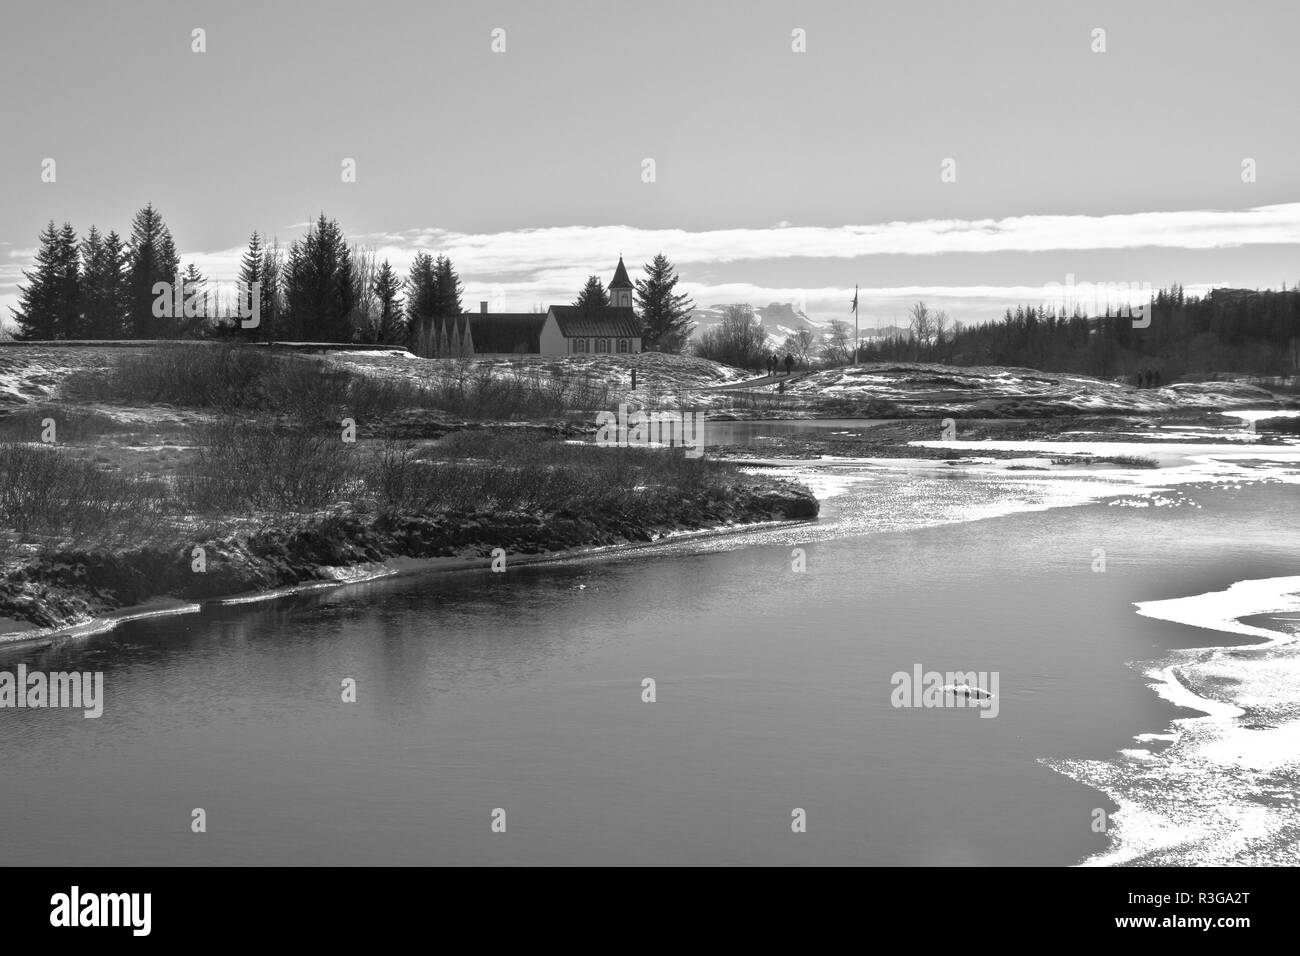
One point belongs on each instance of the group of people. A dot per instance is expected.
(775, 364)
(1148, 378)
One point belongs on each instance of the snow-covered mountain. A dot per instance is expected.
(783, 319)
(779, 320)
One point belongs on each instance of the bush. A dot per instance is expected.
(46, 491)
(480, 470)
(240, 466)
(70, 424)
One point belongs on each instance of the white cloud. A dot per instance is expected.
(516, 269)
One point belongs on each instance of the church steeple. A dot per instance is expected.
(620, 288)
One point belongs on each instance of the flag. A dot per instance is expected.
(854, 306)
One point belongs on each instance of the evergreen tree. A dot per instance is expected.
(448, 289)
(320, 287)
(152, 259)
(385, 287)
(114, 292)
(252, 272)
(67, 295)
(665, 316)
(196, 305)
(102, 280)
(593, 298)
(421, 303)
(36, 312)
(272, 289)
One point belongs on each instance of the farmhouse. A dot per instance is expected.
(561, 330)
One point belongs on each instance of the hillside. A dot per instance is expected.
(669, 374)
(915, 390)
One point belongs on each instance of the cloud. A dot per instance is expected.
(533, 251)
(515, 269)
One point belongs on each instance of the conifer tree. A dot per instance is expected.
(385, 287)
(152, 259)
(114, 291)
(593, 297)
(320, 286)
(421, 304)
(272, 290)
(36, 312)
(448, 289)
(252, 272)
(68, 321)
(101, 281)
(197, 306)
(665, 316)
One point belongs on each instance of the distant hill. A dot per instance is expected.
(782, 319)
(779, 319)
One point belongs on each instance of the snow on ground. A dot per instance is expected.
(1017, 392)
(1255, 414)
(668, 371)
(1178, 462)
(33, 373)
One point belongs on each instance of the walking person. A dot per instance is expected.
(789, 364)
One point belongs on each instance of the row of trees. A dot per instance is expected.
(319, 289)
(99, 286)
(1238, 330)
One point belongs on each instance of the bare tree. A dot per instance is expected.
(799, 344)
(365, 314)
(921, 325)
(738, 340)
(838, 346)
(939, 320)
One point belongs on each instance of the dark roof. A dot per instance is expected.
(506, 331)
(620, 280)
(608, 323)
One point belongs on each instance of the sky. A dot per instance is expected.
(972, 155)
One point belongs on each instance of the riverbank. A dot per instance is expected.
(67, 587)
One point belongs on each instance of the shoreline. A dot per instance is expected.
(341, 576)
(1243, 624)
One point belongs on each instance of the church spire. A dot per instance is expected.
(620, 288)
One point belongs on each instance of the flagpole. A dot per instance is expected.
(857, 343)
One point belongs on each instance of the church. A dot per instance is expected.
(561, 330)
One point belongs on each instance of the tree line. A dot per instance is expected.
(1239, 330)
(321, 289)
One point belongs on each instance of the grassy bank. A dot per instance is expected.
(102, 510)
(302, 386)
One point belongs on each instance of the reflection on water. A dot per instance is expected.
(744, 433)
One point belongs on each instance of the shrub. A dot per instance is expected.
(46, 491)
(254, 465)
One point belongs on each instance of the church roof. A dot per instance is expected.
(506, 331)
(609, 323)
(620, 280)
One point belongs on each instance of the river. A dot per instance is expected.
(772, 652)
